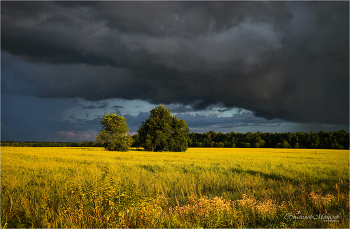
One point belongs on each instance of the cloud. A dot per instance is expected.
(117, 107)
(280, 60)
(224, 109)
(179, 108)
(69, 136)
(134, 122)
(236, 120)
(27, 118)
(95, 106)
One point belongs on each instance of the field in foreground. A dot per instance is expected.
(203, 187)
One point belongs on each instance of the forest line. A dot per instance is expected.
(298, 140)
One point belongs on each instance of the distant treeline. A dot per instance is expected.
(51, 144)
(299, 140)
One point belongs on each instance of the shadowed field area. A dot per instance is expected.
(202, 187)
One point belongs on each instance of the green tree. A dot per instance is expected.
(285, 144)
(219, 145)
(246, 144)
(163, 132)
(113, 136)
(296, 146)
(259, 144)
(136, 142)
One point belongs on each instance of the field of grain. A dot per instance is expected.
(202, 187)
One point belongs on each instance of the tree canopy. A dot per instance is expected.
(114, 136)
(163, 132)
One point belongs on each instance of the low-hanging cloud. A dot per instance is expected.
(97, 105)
(286, 60)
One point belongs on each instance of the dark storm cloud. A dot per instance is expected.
(286, 60)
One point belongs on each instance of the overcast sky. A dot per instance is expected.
(222, 66)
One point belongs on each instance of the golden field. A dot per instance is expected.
(202, 187)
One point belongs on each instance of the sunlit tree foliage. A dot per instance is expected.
(163, 132)
(113, 136)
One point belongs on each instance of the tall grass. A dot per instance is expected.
(205, 187)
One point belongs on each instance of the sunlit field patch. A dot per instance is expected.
(202, 187)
